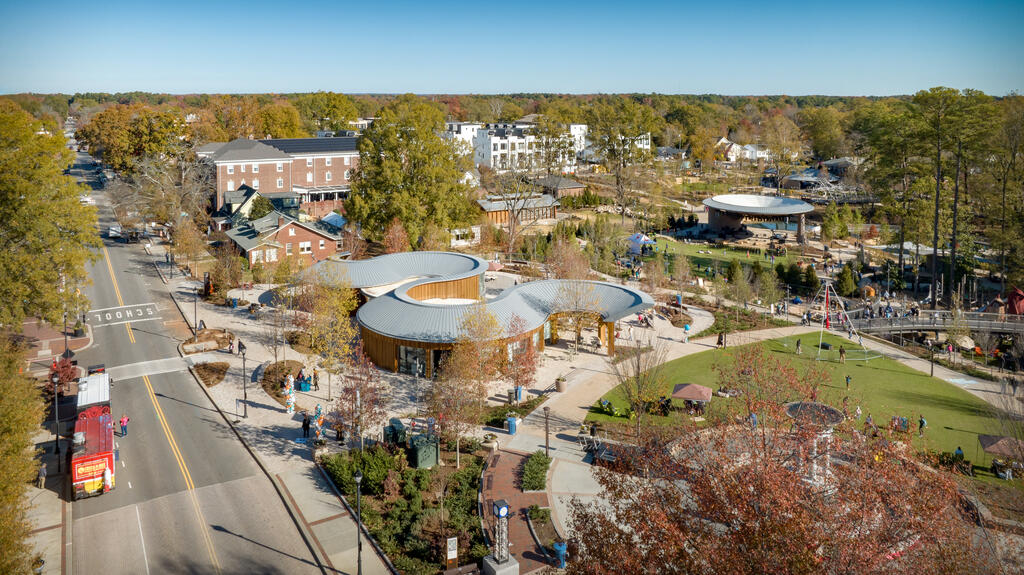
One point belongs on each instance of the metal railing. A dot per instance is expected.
(940, 321)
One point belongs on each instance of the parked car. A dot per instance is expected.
(114, 231)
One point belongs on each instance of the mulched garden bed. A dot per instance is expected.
(276, 374)
(211, 373)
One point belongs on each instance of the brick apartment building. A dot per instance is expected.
(317, 169)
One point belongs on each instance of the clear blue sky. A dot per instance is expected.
(730, 47)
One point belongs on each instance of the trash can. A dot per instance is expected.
(519, 393)
(512, 425)
(679, 300)
(234, 303)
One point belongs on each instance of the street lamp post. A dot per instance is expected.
(245, 388)
(56, 421)
(359, 521)
(547, 444)
(195, 312)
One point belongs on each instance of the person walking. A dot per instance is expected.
(847, 382)
(686, 333)
(842, 354)
(721, 339)
(316, 380)
(41, 477)
(857, 413)
(305, 424)
(241, 347)
(231, 347)
(124, 424)
(921, 424)
(799, 349)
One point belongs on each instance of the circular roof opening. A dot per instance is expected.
(759, 205)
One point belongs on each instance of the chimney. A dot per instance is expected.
(280, 222)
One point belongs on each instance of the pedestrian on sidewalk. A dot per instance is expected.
(316, 380)
(305, 424)
(124, 424)
(167, 258)
(241, 347)
(41, 477)
(721, 339)
(686, 333)
(231, 347)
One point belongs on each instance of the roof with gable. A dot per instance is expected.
(254, 233)
(246, 150)
(557, 183)
(500, 204)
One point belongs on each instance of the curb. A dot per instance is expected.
(307, 537)
(359, 521)
(480, 500)
(536, 540)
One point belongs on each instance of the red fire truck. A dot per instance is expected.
(93, 454)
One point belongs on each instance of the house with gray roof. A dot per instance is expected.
(276, 236)
(559, 186)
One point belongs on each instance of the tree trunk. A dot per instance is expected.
(935, 228)
(953, 237)
(1002, 234)
(458, 461)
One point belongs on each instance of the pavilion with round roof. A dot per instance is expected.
(726, 212)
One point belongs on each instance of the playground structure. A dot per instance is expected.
(834, 317)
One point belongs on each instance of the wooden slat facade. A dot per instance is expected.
(465, 288)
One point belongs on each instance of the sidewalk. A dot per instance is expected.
(272, 435)
(47, 344)
(48, 513)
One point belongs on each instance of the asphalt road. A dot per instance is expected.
(188, 496)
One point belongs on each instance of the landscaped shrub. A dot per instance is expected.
(539, 514)
(375, 464)
(535, 471)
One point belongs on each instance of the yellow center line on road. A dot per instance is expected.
(117, 292)
(190, 486)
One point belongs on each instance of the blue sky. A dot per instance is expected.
(732, 47)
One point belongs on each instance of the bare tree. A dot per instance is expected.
(518, 194)
(641, 376)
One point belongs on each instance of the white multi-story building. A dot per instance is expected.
(505, 146)
(462, 132)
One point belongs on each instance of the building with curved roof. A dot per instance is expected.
(726, 211)
(416, 303)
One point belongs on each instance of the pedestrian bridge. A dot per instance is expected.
(938, 321)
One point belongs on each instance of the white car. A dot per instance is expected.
(87, 200)
(114, 231)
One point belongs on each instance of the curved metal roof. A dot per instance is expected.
(393, 268)
(396, 314)
(756, 205)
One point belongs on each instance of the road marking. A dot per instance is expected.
(190, 486)
(123, 322)
(129, 485)
(117, 291)
(141, 538)
(122, 464)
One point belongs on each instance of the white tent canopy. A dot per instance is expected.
(637, 241)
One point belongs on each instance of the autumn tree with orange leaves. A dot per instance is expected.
(729, 499)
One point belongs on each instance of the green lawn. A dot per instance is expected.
(882, 387)
(720, 255)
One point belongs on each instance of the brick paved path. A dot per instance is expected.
(501, 482)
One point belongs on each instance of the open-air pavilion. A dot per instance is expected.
(726, 212)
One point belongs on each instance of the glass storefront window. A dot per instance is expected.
(412, 361)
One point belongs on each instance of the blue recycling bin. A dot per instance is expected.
(519, 393)
(234, 303)
(560, 548)
(511, 425)
(679, 300)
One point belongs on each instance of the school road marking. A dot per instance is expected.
(123, 314)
